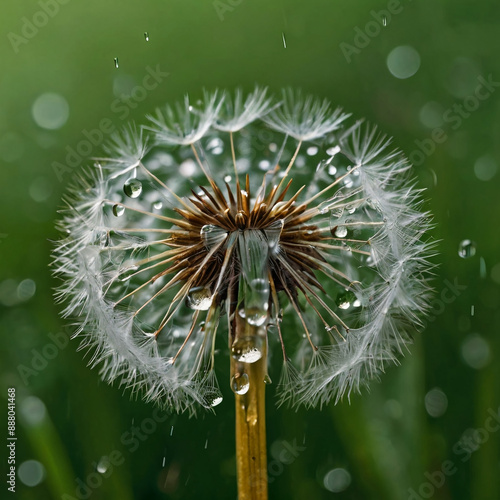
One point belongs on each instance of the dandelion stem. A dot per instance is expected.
(251, 455)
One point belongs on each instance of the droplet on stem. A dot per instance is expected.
(240, 384)
(247, 349)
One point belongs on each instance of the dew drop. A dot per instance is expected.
(215, 146)
(132, 187)
(241, 384)
(341, 232)
(227, 178)
(213, 398)
(332, 170)
(118, 210)
(158, 205)
(146, 36)
(116, 62)
(267, 379)
(345, 300)
(207, 228)
(312, 150)
(247, 349)
(199, 298)
(466, 249)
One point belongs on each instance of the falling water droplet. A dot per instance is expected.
(384, 20)
(146, 36)
(132, 187)
(241, 384)
(116, 62)
(284, 40)
(199, 298)
(247, 349)
(341, 232)
(466, 249)
(118, 210)
(103, 465)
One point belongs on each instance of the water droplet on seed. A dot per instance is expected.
(132, 188)
(158, 205)
(241, 384)
(466, 249)
(267, 379)
(345, 300)
(118, 210)
(199, 298)
(341, 232)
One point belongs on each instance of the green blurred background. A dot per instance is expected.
(414, 70)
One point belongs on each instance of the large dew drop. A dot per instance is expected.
(132, 188)
(341, 232)
(199, 298)
(240, 385)
(247, 349)
(466, 249)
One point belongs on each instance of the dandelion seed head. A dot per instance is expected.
(180, 232)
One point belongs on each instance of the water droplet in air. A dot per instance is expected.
(116, 62)
(312, 150)
(103, 465)
(247, 349)
(466, 249)
(199, 298)
(284, 41)
(384, 20)
(132, 188)
(146, 36)
(118, 210)
(241, 384)
(341, 232)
